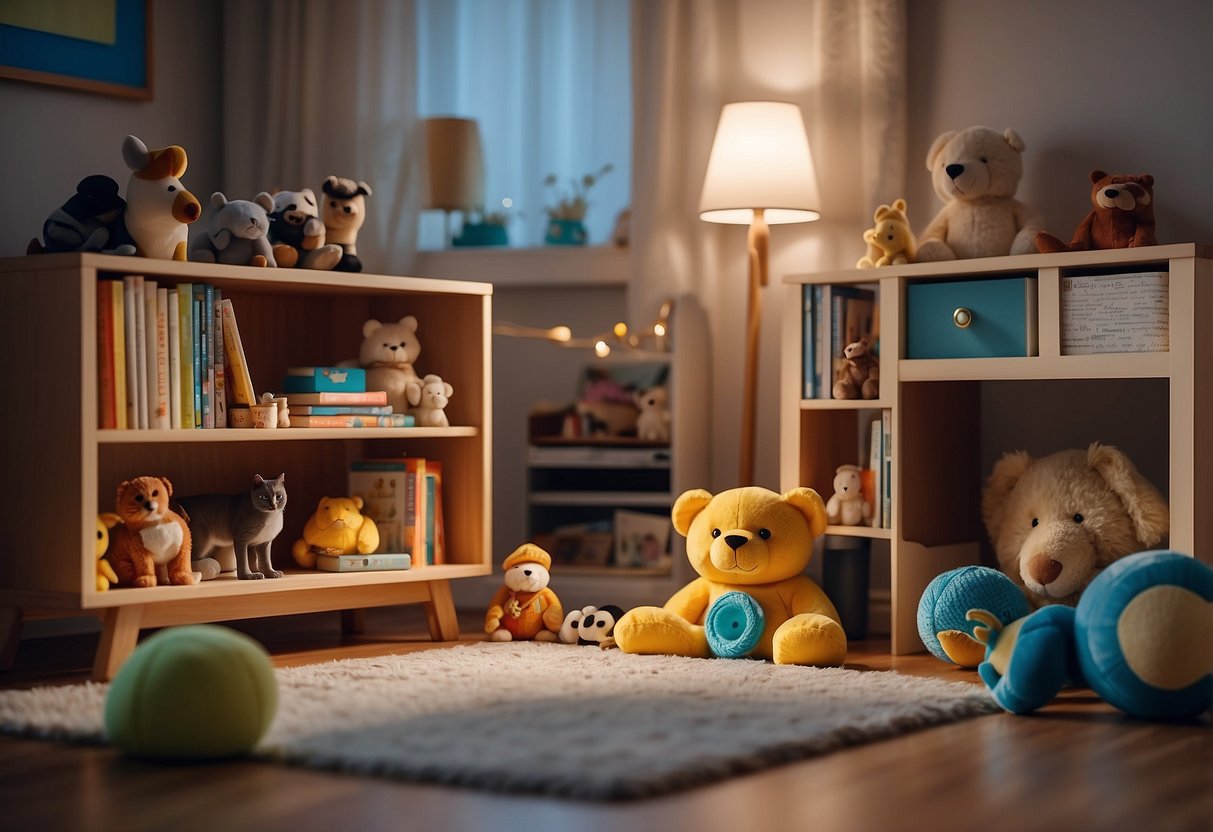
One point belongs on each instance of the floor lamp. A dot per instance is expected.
(760, 173)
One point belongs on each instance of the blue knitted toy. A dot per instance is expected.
(942, 625)
(733, 625)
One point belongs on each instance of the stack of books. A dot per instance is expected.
(336, 397)
(834, 316)
(167, 356)
(403, 495)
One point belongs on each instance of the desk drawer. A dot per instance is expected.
(971, 318)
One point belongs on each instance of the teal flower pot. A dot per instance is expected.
(481, 234)
(565, 233)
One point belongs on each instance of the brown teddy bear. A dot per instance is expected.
(859, 375)
(1057, 521)
(1123, 216)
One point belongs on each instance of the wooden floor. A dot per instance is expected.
(1078, 765)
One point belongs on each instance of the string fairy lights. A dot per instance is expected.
(619, 338)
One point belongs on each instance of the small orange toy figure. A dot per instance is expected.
(525, 609)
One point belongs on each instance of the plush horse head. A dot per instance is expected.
(158, 207)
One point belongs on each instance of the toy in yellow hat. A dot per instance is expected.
(525, 608)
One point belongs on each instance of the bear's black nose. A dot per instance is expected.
(526, 572)
(954, 170)
(736, 541)
(1111, 193)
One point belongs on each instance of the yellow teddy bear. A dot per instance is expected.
(750, 547)
(890, 241)
(338, 527)
(105, 572)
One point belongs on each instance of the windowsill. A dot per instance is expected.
(529, 268)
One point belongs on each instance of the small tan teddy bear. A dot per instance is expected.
(890, 241)
(859, 376)
(429, 398)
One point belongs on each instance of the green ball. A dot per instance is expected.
(192, 693)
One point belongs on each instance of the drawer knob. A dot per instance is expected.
(962, 317)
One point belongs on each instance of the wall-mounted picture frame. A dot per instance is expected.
(97, 46)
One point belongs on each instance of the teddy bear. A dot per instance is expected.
(976, 172)
(344, 211)
(890, 241)
(297, 234)
(750, 547)
(337, 527)
(152, 543)
(859, 375)
(105, 572)
(388, 353)
(847, 506)
(429, 397)
(653, 422)
(1057, 521)
(237, 233)
(90, 220)
(1140, 637)
(158, 207)
(525, 608)
(1122, 216)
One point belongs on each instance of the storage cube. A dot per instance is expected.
(971, 318)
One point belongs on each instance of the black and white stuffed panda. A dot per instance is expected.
(590, 625)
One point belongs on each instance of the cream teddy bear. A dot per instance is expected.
(653, 422)
(429, 398)
(388, 353)
(1057, 521)
(976, 172)
(847, 507)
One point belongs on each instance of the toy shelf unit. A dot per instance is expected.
(1034, 352)
(287, 317)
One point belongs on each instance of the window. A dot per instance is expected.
(549, 82)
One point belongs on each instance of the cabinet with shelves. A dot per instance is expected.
(287, 318)
(936, 405)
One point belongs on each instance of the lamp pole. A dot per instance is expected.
(758, 244)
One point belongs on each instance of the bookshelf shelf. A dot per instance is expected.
(287, 317)
(935, 406)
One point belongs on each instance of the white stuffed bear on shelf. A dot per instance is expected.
(976, 173)
(429, 398)
(653, 422)
(847, 507)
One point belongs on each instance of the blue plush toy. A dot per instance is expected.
(1141, 637)
(733, 625)
(942, 625)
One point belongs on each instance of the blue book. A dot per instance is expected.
(341, 410)
(197, 327)
(324, 380)
(208, 389)
(364, 563)
(808, 356)
(431, 486)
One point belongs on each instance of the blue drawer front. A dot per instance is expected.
(1003, 318)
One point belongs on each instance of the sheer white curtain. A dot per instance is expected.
(313, 88)
(844, 63)
(548, 81)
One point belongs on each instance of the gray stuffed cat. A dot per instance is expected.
(237, 233)
(227, 527)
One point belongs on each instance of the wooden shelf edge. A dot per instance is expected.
(1104, 366)
(131, 437)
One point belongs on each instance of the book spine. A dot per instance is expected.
(220, 369)
(118, 314)
(415, 521)
(132, 353)
(363, 563)
(174, 359)
(107, 417)
(163, 420)
(242, 382)
(208, 391)
(439, 525)
(352, 420)
(185, 304)
(886, 444)
(876, 466)
(196, 326)
(140, 354)
(149, 355)
(339, 409)
(376, 398)
(821, 303)
(202, 336)
(806, 357)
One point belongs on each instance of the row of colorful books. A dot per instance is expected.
(336, 397)
(167, 356)
(876, 480)
(834, 316)
(403, 495)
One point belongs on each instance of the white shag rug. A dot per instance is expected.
(554, 719)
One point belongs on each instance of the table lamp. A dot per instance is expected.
(760, 173)
(454, 167)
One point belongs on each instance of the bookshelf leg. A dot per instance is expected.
(440, 612)
(119, 633)
(10, 636)
(353, 622)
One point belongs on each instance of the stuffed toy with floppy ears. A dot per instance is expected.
(750, 547)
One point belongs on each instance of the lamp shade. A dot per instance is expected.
(454, 164)
(760, 159)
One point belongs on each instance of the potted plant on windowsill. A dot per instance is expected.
(486, 228)
(566, 219)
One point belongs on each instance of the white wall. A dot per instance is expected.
(53, 137)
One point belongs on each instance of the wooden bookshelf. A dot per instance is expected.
(63, 469)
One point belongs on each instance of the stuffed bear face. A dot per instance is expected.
(859, 351)
(749, 535)
(344, 207)
(974, 163)
(432, 393)
(846, 483)
(1055, 522)
(389, 344)
(654, 400)
(143, 501)
(527, 577)
(1118, 192)
(242, 218)
(295, 207)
